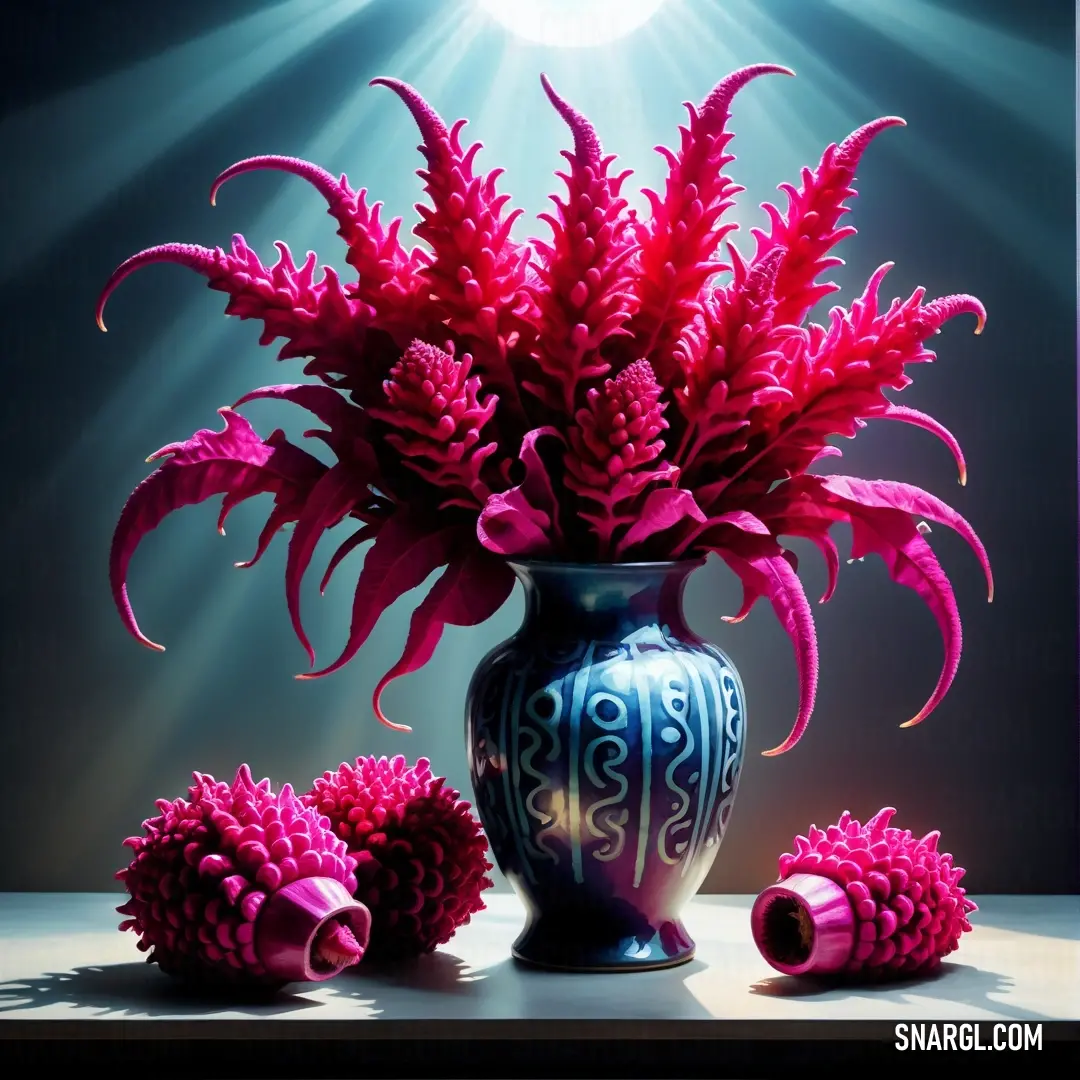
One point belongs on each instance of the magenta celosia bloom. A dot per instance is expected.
(421, 865)
(615, 393)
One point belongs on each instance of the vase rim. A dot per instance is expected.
(605, 567)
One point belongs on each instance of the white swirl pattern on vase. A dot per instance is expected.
(688, 704)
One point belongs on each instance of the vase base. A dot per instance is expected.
(556, 951)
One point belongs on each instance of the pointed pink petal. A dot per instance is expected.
(827, 546)
(881, 819)
(328, 185)
(279, 517)
(893, 534)
(193, 256)
(772, 575)
(890, 494)
(586, 143)
(209, 463)
(472, 588)
(663, 509)
(328, 404)
(404, 555)
(329, 501)
(928, 423)
(361, 536)
(525, 519)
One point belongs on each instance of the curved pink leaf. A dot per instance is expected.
(330, 500)
(827, 452)
(663, 509)
(892, 534)
(209, 463)
(773, 576)
(347, 424)
(741, 519)
(827, 546)
(927, 423)
(537, 486)
(404, 554)
(525, 519)
(279, 517)
(237, 441)
(508, 526)
(251, 486)
(801, 508)
(473, 587)
(328, 404)
(890, 494)
(754, 586)
(750, 598)
(702, 536)
(350, 544)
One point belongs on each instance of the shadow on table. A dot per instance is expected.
(957, 984)
(509, 990)
(434, 973)
(138, 990)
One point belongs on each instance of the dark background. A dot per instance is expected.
(94, 728)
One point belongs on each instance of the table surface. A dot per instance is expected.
(62, 959)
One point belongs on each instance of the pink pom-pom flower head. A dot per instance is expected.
(862, 900)
(238, 885)
(631, 389)
(420, 855)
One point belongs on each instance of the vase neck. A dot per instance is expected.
(604, 601)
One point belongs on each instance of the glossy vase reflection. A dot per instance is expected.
(605, 743)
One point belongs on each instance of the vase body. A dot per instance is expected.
(605, 743)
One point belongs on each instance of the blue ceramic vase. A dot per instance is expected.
(605, 743)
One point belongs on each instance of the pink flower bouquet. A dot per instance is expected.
(615, 393)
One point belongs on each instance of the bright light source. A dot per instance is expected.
(571, 23)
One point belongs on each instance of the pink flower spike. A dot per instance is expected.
(431, 125)
(588, 298)
(715, 107)
(332, 189)
(388, 274)
(200, 259)
(586, 143)
(474, 279)
(315, 317)
(685, 227)
(601, 395)
(437, 416)
(811, 229)
(615, 450)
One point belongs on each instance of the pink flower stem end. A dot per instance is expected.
(311, 930)
(805, 925)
